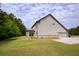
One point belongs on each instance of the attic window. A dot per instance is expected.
(53, 23)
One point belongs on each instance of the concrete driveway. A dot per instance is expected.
(68, 40)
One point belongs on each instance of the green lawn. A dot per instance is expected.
(75, 36)
(23, 47)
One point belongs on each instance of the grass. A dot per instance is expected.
(75, 36)
(21, 46)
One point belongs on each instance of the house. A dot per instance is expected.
(48, 27)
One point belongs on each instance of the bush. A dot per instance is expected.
(74, 31)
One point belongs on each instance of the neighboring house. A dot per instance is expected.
(49, 26)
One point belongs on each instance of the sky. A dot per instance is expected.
(66, 13)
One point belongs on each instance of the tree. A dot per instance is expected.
(10, 26)
(74, 31)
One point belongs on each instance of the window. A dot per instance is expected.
(53, 23)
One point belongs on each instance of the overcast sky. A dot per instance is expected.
(66, 14)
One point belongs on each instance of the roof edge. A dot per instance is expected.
(39, 20)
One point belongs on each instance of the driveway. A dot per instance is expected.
(68, 40)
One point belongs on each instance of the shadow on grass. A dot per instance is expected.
(3, 42)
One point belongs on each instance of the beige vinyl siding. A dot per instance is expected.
(48, 26)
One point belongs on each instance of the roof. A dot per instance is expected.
(52, 17)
